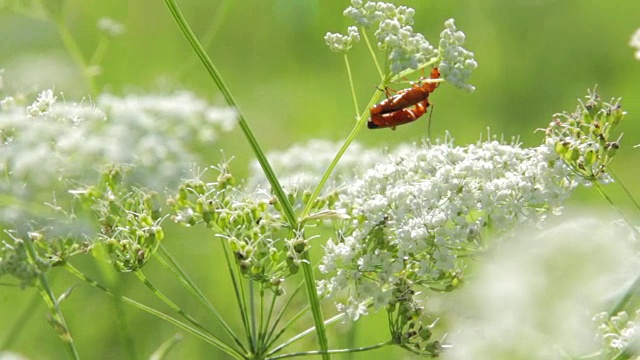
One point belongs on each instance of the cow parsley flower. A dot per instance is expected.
(342, 43)
(405, 49)
(417, 213)
(301, 166)
(457, 62)
(160, 133)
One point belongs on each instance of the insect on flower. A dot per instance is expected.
(396, 110)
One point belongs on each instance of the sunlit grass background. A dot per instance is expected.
(535, 58)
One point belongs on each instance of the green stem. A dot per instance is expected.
(354, 132)
(598, 186)
(19, 325)
(624, 188)
(372, 52)
(57, 319)
(351, 84)
(171, 264)
(314, 301)
(170, 303)
(633, 290)
(244, 126)
(270, 337)
(210, 339)
(302, 334)
(238, 291)
(75, 53)
(337, 351)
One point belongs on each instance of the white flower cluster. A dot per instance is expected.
(635, 43)
(300, 167)
(420, 210)
(110, 27)
(342, 43)
(457, 63)
(49, 141)
(405, 48)
(619, 333)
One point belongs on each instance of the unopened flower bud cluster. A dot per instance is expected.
(129, 219)
(585, 139)
(250, 224)
(50, 250)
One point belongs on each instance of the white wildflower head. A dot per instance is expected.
(457, 63)
(301, 166)
(110, 27)
(342, 43)
(420, 211)
(635, 43)
(50, 142)
(393, 29)
(531, 298)
(43, 103)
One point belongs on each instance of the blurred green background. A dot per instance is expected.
(536, 57)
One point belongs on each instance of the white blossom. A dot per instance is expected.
(422, 208)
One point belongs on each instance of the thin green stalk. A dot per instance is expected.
(171, 264)
(632, 291)
(208, 338)
(57, 320)
(237, 288)
(265, 329)
(314, 301)
(289, 214)
(75, 53)
(210, 34)
(270, 338)
(354, 132)
(19, 325)
(252, 312)
(351, 85)
(372, 52)
(337, 351)
(170, 303)
(624, 188)
(598, 186)
(303, 334)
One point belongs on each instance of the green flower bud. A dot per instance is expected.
(612, 148)
(590, 157)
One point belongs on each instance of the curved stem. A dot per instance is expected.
(314, 301)
(624, 188)
(351, 85)
(354, 132)
(598, 186)
(57, 320)
(208, 338)
(244, 126)
(75, 53)
(337, 351)
(171, 264)
(372, 52)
